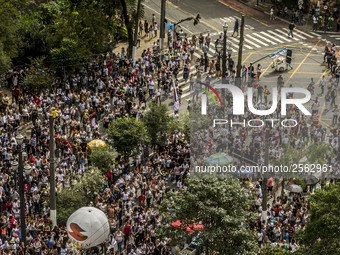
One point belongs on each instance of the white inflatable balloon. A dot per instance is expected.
(87, 227)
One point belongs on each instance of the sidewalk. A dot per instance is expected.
(145, 43)
(264, 9)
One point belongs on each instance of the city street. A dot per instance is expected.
(262, 37)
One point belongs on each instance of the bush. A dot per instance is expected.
(122, 33)
(69, 200)
(102, 158)
(300, 182)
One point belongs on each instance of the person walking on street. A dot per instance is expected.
(280, 82)
(266, 93)
(272, 13)
(291, 28)
(236, 28)
(335, 115)
(300, 18)
(208, 40)
(333, 96)
(322, 84)
(315, 22)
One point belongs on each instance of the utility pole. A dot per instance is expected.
(265, 177)
(134, 48)
(239, 59)
(53, 209)
(22, 197)
(224, 56)
(162, 25)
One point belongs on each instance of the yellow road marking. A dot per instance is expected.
(301, 63)
(194, 16)
(268, 66)
(247, 58)
(325, 124)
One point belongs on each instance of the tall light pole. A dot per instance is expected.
(53, 206)
(134, 48)
(162, 26)
(230, 51)
(224, 56)
(15, 165)
(219, 50)
(239, 58)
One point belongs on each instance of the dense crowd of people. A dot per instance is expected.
(84, 104)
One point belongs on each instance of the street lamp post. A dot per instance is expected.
(27, 169)
(229, 52)
(218, 50)
(224, 56)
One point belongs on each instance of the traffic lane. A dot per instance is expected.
(173, 15)
(212, 11)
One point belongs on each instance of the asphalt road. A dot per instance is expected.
(262, 37)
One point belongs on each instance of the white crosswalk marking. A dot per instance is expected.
(256, 40)
(237, 41)
(263, 38)
(278, 30)
(227, 19)
(275, 34)
(315, 34)
(333, 35)
(250, 42)
(295, 35)
(301, 32)
(271, 37)
(248, 27)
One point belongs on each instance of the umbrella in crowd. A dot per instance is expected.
(219, 159)
(194, 227)
(294, 188)
(311, 179)
(96, 144)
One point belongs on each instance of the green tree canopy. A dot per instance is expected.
(221, 206)
(102, 158)
(157, 122)
(322, 232)
(126, 135)
(10, 15)
(69, 200)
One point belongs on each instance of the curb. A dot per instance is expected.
(303, 28)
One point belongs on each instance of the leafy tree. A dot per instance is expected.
(288, 156)
(40, 77)
(322, 233)
(268, 250)
(69, 200)
(221, 206)
(317, 153)
(102, 158)
(67, 56)
(128, 25)
(126, 135)
(183, 124)
(157, 122)
(91, 182)
(8, 26)
(5, 60)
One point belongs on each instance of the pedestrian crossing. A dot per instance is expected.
(256, 40)
(252, 41)
(336, 37)
(232, 19)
